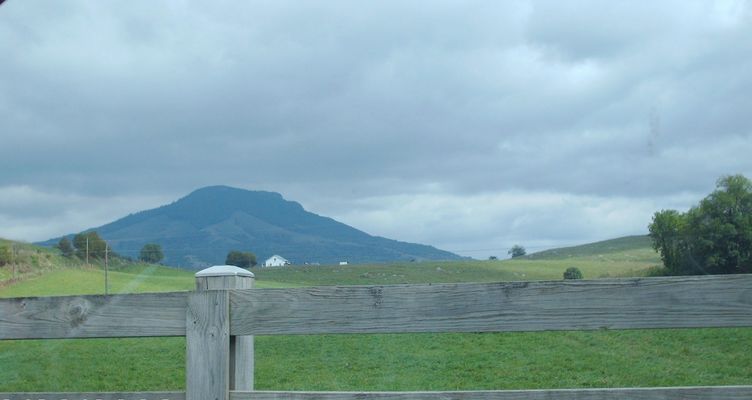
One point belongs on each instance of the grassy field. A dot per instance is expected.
(454, 271)
(386, 362)
(399, 362)
(623, 257)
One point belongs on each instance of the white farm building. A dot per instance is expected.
(276, 261)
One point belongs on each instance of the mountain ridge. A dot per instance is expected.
(200, 228)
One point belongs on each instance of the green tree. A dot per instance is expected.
(714, 237)
(65, 247)
(151, 253)
(719, 229)
(5, 254)
(517, 251)
(573, 273)
(241, 259)
(96, 245)
(666, 230)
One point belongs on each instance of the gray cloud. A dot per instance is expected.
(341, 104)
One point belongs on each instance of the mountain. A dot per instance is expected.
(201, 228)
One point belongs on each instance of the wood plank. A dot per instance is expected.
(675, 393)
(666, 302)
(127, 315)
(207, 346)
(94, 396)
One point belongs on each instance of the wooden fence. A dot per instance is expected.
(216, 321)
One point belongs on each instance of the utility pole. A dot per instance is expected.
(106, 250)
(87, 250)
(13, 258)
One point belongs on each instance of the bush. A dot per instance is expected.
(241, 259)
(573, 273)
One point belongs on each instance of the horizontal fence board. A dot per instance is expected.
(94, 396)
(678, 393)
(125, 315)
(667, 302)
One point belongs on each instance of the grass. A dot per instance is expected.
(133, 279)
(385, 362)
(641, 358)
(504, 361)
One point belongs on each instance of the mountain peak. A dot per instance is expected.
(229, 190)
(201, 228)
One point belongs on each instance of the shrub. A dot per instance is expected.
(573, 273)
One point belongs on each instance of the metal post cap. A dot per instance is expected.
(224, 270)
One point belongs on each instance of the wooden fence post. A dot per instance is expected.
(241, 358)
(207, 346)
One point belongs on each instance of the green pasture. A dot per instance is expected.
(448, 271)
(640, 358)
(384, 362)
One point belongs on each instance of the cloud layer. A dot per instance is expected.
(468, 125)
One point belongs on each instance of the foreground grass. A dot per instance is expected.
(640, 358)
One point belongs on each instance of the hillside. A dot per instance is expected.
(201, 228)
(639, 245)
(26, 260)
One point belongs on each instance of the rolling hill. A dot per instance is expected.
(637, 243)
(201, 228)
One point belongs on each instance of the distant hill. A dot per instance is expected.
(199, 229)
(618, 245)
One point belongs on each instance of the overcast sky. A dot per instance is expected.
(470, 126)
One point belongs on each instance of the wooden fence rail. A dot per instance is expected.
(218, 319)
(69, 317)
(681, 302)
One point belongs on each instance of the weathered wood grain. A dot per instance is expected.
(207, 346)
(676, 393)
(673, 302)
(128, 315)
(94, 396)
(241, 347)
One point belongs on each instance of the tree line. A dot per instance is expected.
(92, 245)
(89, 245)
(713, 237)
